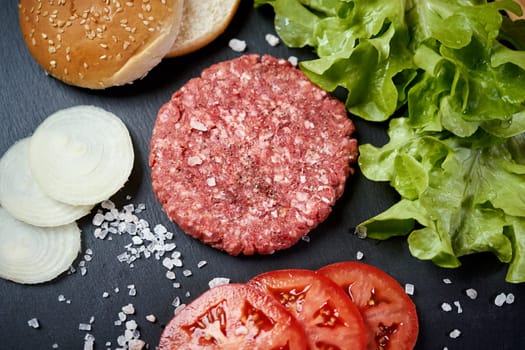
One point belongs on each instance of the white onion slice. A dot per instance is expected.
(81, 155)
(31, 254)
(21, 196)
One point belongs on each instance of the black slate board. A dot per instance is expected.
(28, 96)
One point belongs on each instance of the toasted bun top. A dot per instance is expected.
(99, 43)
(202, 22)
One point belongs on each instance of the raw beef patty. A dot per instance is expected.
(251, 156)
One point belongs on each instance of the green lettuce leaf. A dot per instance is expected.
(451, 75)
(465, 194)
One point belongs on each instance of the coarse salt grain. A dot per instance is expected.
(170, 275)
(510, 298)
(176, 302)
(84, 327)
(409, 288)
(201, 264)
(293, 60)
(471, 293)
(458, 306)
(217, 281)
(446, 307)
(33, 323)
(237, 45)
(271, 39)
(128, 309)
(151, 318)
(500, 299)
(455, 333)
(89, 344)
(359, 255)
(447, 281)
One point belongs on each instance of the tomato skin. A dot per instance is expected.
(233, 316)
(330, 319)
(390, 315)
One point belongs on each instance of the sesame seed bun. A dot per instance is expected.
(202, 22)
(99, 44)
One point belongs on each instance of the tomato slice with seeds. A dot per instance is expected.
(233, 316)
(390, 315)
(329, 317)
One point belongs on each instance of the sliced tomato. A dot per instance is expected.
(233, 316)
(329, 317)
(389, 313)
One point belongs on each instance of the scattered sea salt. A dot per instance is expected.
(128, 309)
(500, 299)
(471, 293)
(176, 302)
(510, 298)
(447, 281)
(187, 273)
(237, 45)
(271, 39)
(359, 255)
(217, 281)
(84, 327)
(89, 344)
(33, 323)
(293, 60)
(170, 275)
(446, 307)
(458, 306)
(151, 318)
(454, 333)
(409, 288)
(201, 264)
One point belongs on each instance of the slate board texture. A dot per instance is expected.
(28, 95)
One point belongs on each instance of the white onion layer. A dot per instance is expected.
(81, 155)
(31, 254)
(21, 196)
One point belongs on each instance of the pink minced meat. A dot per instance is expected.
(251, 156)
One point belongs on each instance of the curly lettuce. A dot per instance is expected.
(450, 74)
